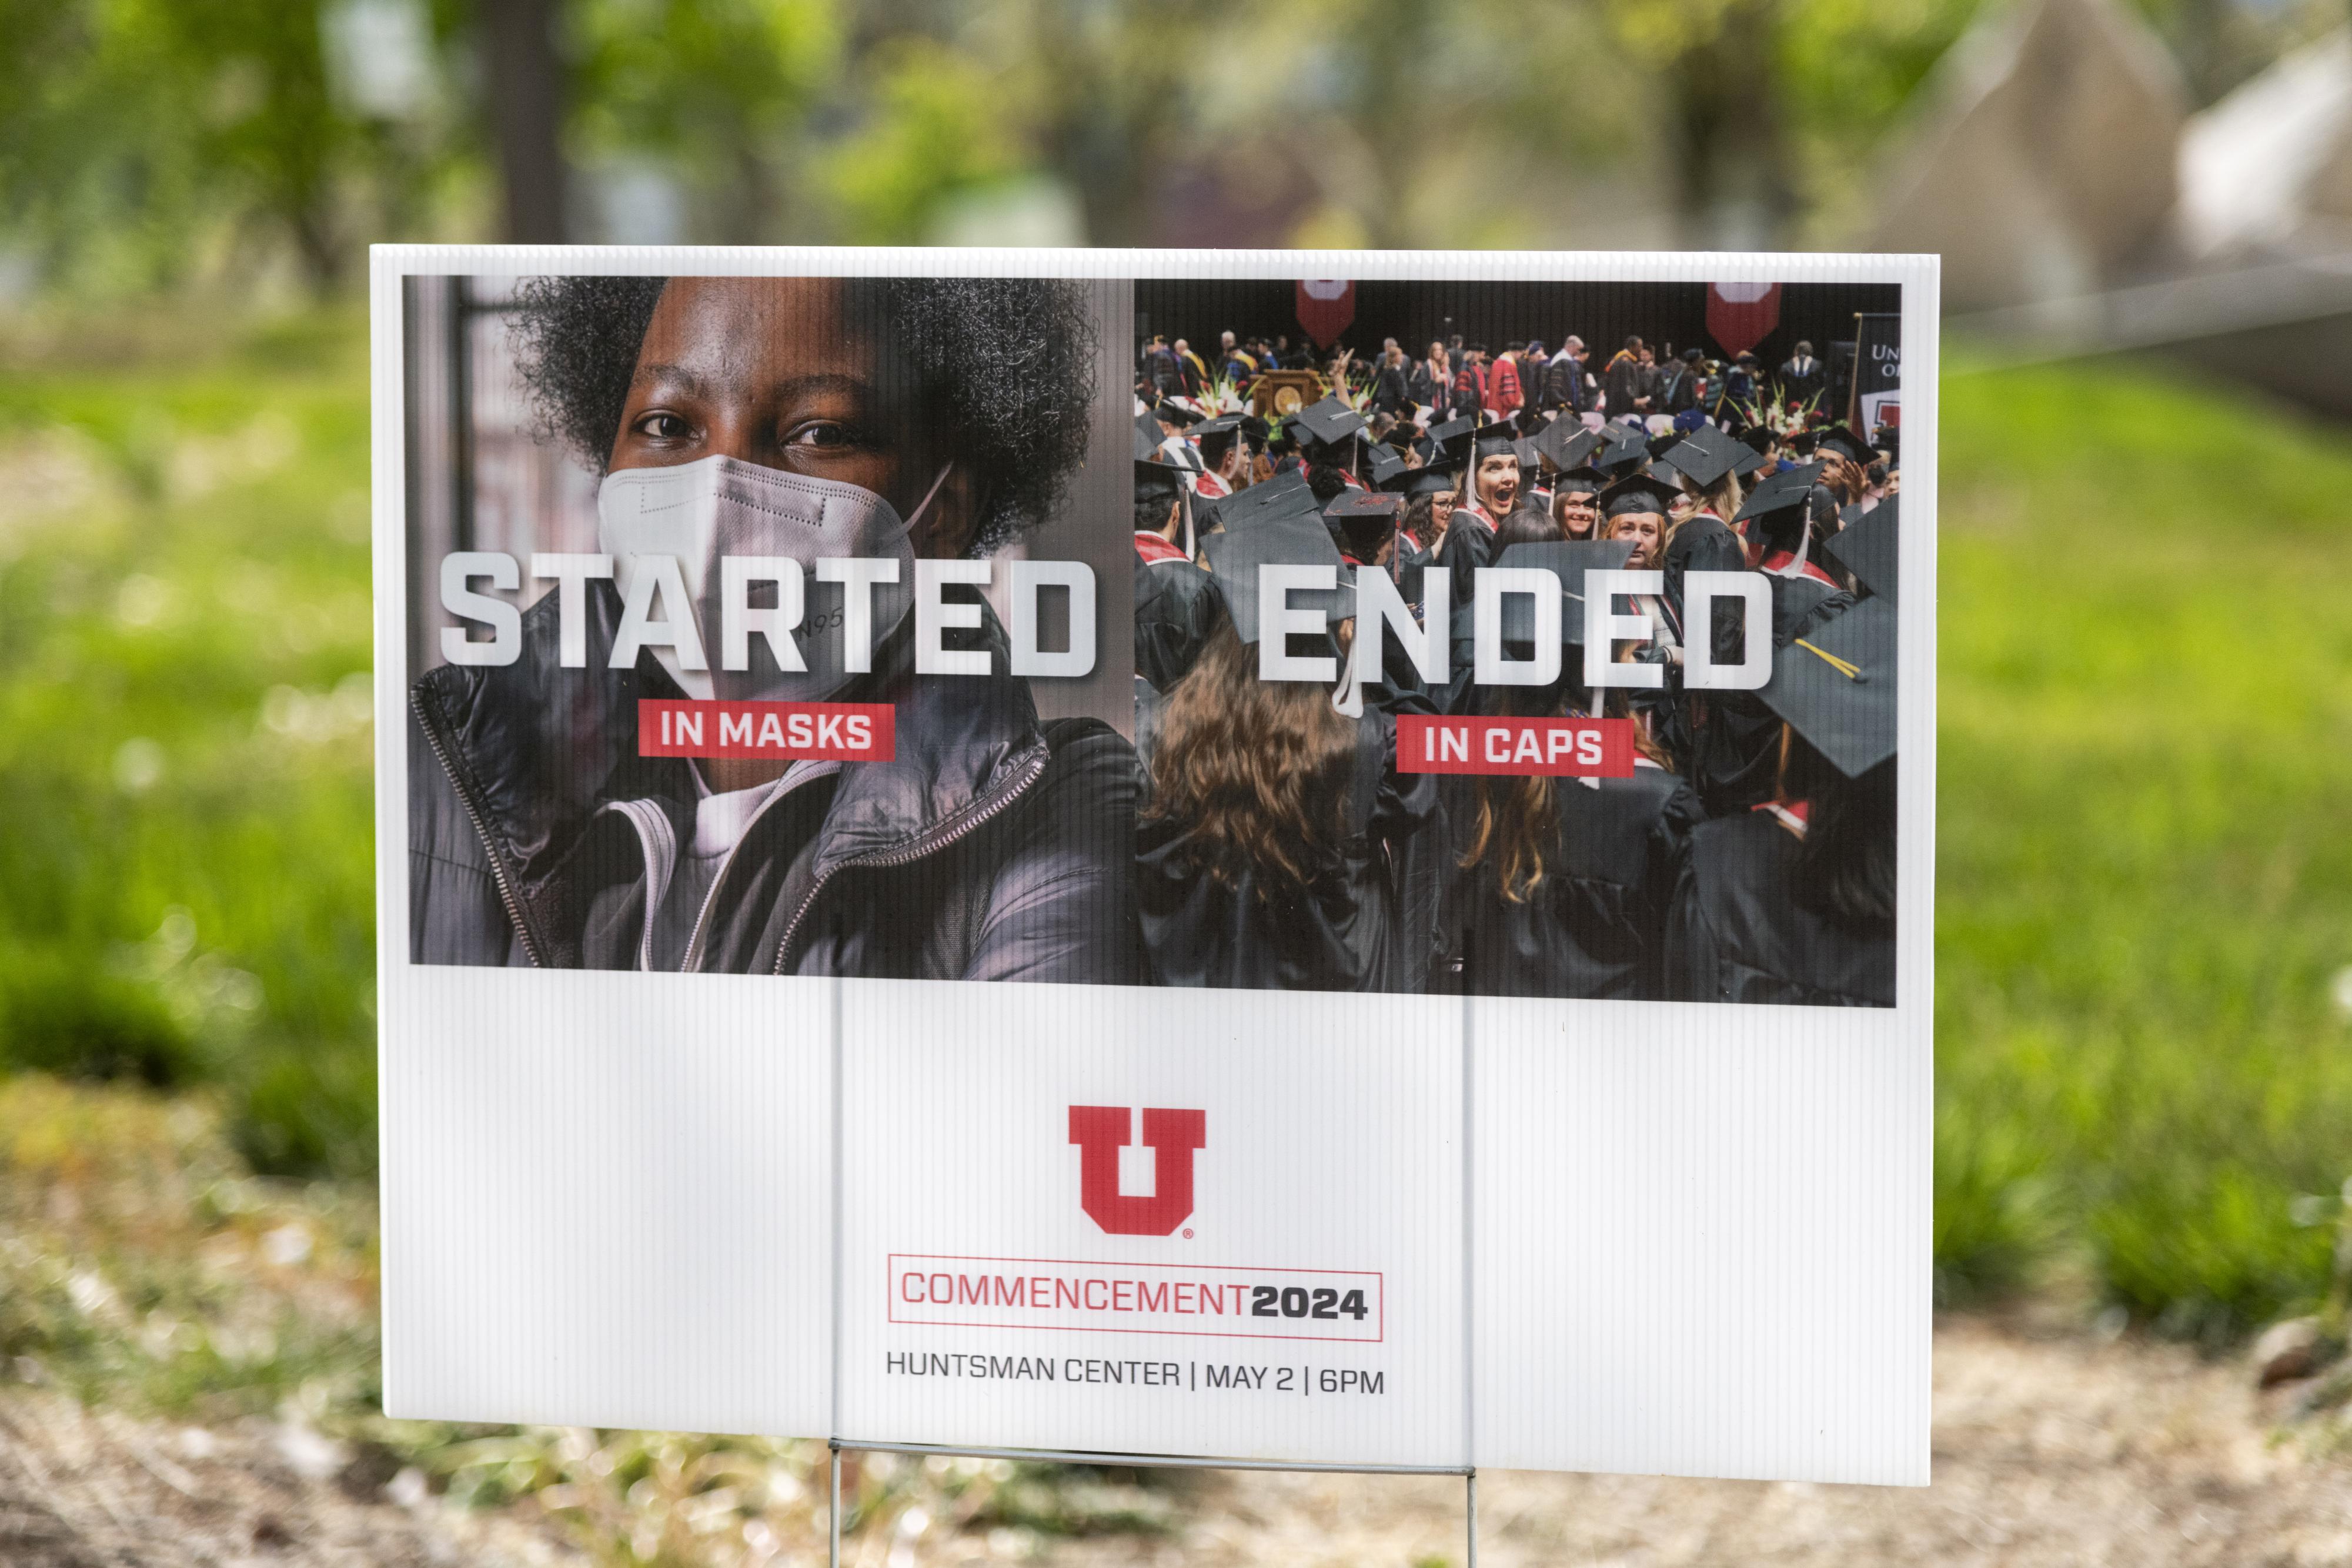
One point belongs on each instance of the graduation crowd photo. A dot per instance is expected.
(1284, 838)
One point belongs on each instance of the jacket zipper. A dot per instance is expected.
(691, 959)
(506, 893)
(914, 848)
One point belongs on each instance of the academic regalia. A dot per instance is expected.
(1594, 926)
(1366, 919)
(1736, 934)
(1742, 928)
(1470, 537)
(1174, 605)
(1866, 549)
(1175, 609)
(1469, 544)
(1733, 736)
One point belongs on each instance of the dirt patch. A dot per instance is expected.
(2047, 1450)
(82, 1488)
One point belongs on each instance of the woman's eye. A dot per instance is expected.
(664, 427)
(821, 433)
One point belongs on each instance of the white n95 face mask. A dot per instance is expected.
(668, 531)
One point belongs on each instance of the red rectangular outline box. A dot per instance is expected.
(670, 727)
(1379, 1277)
(1431, 743)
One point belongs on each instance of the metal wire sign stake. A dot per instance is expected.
(1469, 1475)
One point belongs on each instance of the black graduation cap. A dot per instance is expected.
(1352, 504)
(1255, 429)
(1493, 439)
(1234, 557)
(1174, 412)
(1584, 481)
(1451, 440)
(1148, 432)
(1523, 449)
(1845, 443)
(1285, 496)
(1566, 443)
(1756, 438)
(1787, 489)
(1707, 455)
(1223, 425)
(1624, 495)
(1330, 422)
(1665, 441)
(1869, 548)
(1801, 442)
(1836, 686)
(1155, 480)
(1625, 453)
(1364, 518)
(1568, 559)
(1381, 463)
(1413, 482)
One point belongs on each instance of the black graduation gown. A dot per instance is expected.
(1469, 544)
(1175, 606)
(1734, 756)
(1412, 563)
(1701, 543)
(1367, 923)
(1736, 934)
(1595, 926)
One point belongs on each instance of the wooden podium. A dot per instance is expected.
(1278, 394)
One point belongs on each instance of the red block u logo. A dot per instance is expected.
(1101, 1130)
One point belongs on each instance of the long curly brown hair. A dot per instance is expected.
(1255, 771)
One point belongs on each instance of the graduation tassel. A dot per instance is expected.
(1850, 671)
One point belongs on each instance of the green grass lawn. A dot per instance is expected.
(2144, 839)
(187, 875)
(2145, 856)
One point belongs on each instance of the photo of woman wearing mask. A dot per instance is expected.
(790, 419)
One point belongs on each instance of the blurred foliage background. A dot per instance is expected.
(2145, 899)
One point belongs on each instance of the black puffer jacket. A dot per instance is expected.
(991, 848)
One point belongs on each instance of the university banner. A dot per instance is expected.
(1877, 374)
(954, 872)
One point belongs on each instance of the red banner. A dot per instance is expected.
(1739, 315)
(1563, 748)
(1326, 307)
(822, 732)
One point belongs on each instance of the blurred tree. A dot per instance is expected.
(940, 127)
(715, 90)
(139, 136)
(144, 141)
(526, 94)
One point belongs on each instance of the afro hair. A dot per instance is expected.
(1005, 365)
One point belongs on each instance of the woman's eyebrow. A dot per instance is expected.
(677, 376)
(793, 388)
